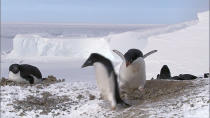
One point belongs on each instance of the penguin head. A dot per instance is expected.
(14, 68)
(131, 55)
(165, 70)
(94, 57)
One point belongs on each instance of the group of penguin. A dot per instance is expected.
(132, 74)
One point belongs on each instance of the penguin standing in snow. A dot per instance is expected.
(164, 73)
(24, 73)
(106, 79)
(132, 74)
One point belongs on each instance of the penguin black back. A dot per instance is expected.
(165, 72)
(117, 93)
(27, 69)
(95, 57)
(27, 72)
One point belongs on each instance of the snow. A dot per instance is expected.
(183, 47)
(68, 53)
(138, 39)
(193, 104)
(36, 46)
(184, 51)
(180, 106)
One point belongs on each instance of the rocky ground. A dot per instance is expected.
(57, 98)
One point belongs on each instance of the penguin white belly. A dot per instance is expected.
(16, 77)
(133, 76)
(105, 82)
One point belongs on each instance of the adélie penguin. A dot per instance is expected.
(24, 73)
(132, 74)
(106, 79)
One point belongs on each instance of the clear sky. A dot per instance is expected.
(102, 11)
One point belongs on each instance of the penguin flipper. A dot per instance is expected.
(149, 53)
(30, 79)
(119, 54)
(27, 77)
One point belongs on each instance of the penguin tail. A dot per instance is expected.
(124, 104)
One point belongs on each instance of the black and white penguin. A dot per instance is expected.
(106, 79)
(184, 77)
(24, 73)
(132, 74)
(164, 73)
(206, 75)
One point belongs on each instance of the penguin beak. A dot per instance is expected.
(86, 64)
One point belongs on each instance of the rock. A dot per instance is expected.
(91, 97)
(79, 97)
(206, 75)
(22, 114)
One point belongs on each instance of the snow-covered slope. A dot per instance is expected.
(138, 39)
(73, 100)
(184, 51)
(36, 46)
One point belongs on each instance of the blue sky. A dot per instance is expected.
(102, 12)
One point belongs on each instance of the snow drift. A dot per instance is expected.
(183, 47)
(184, 51)
(34, 46)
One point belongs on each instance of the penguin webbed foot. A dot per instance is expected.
(113, 107)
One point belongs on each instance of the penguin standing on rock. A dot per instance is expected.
(24, 73)
(132, 73)
(106, 79)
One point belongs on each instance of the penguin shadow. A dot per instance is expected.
(106, 105)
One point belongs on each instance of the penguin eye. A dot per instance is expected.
(15, 70)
